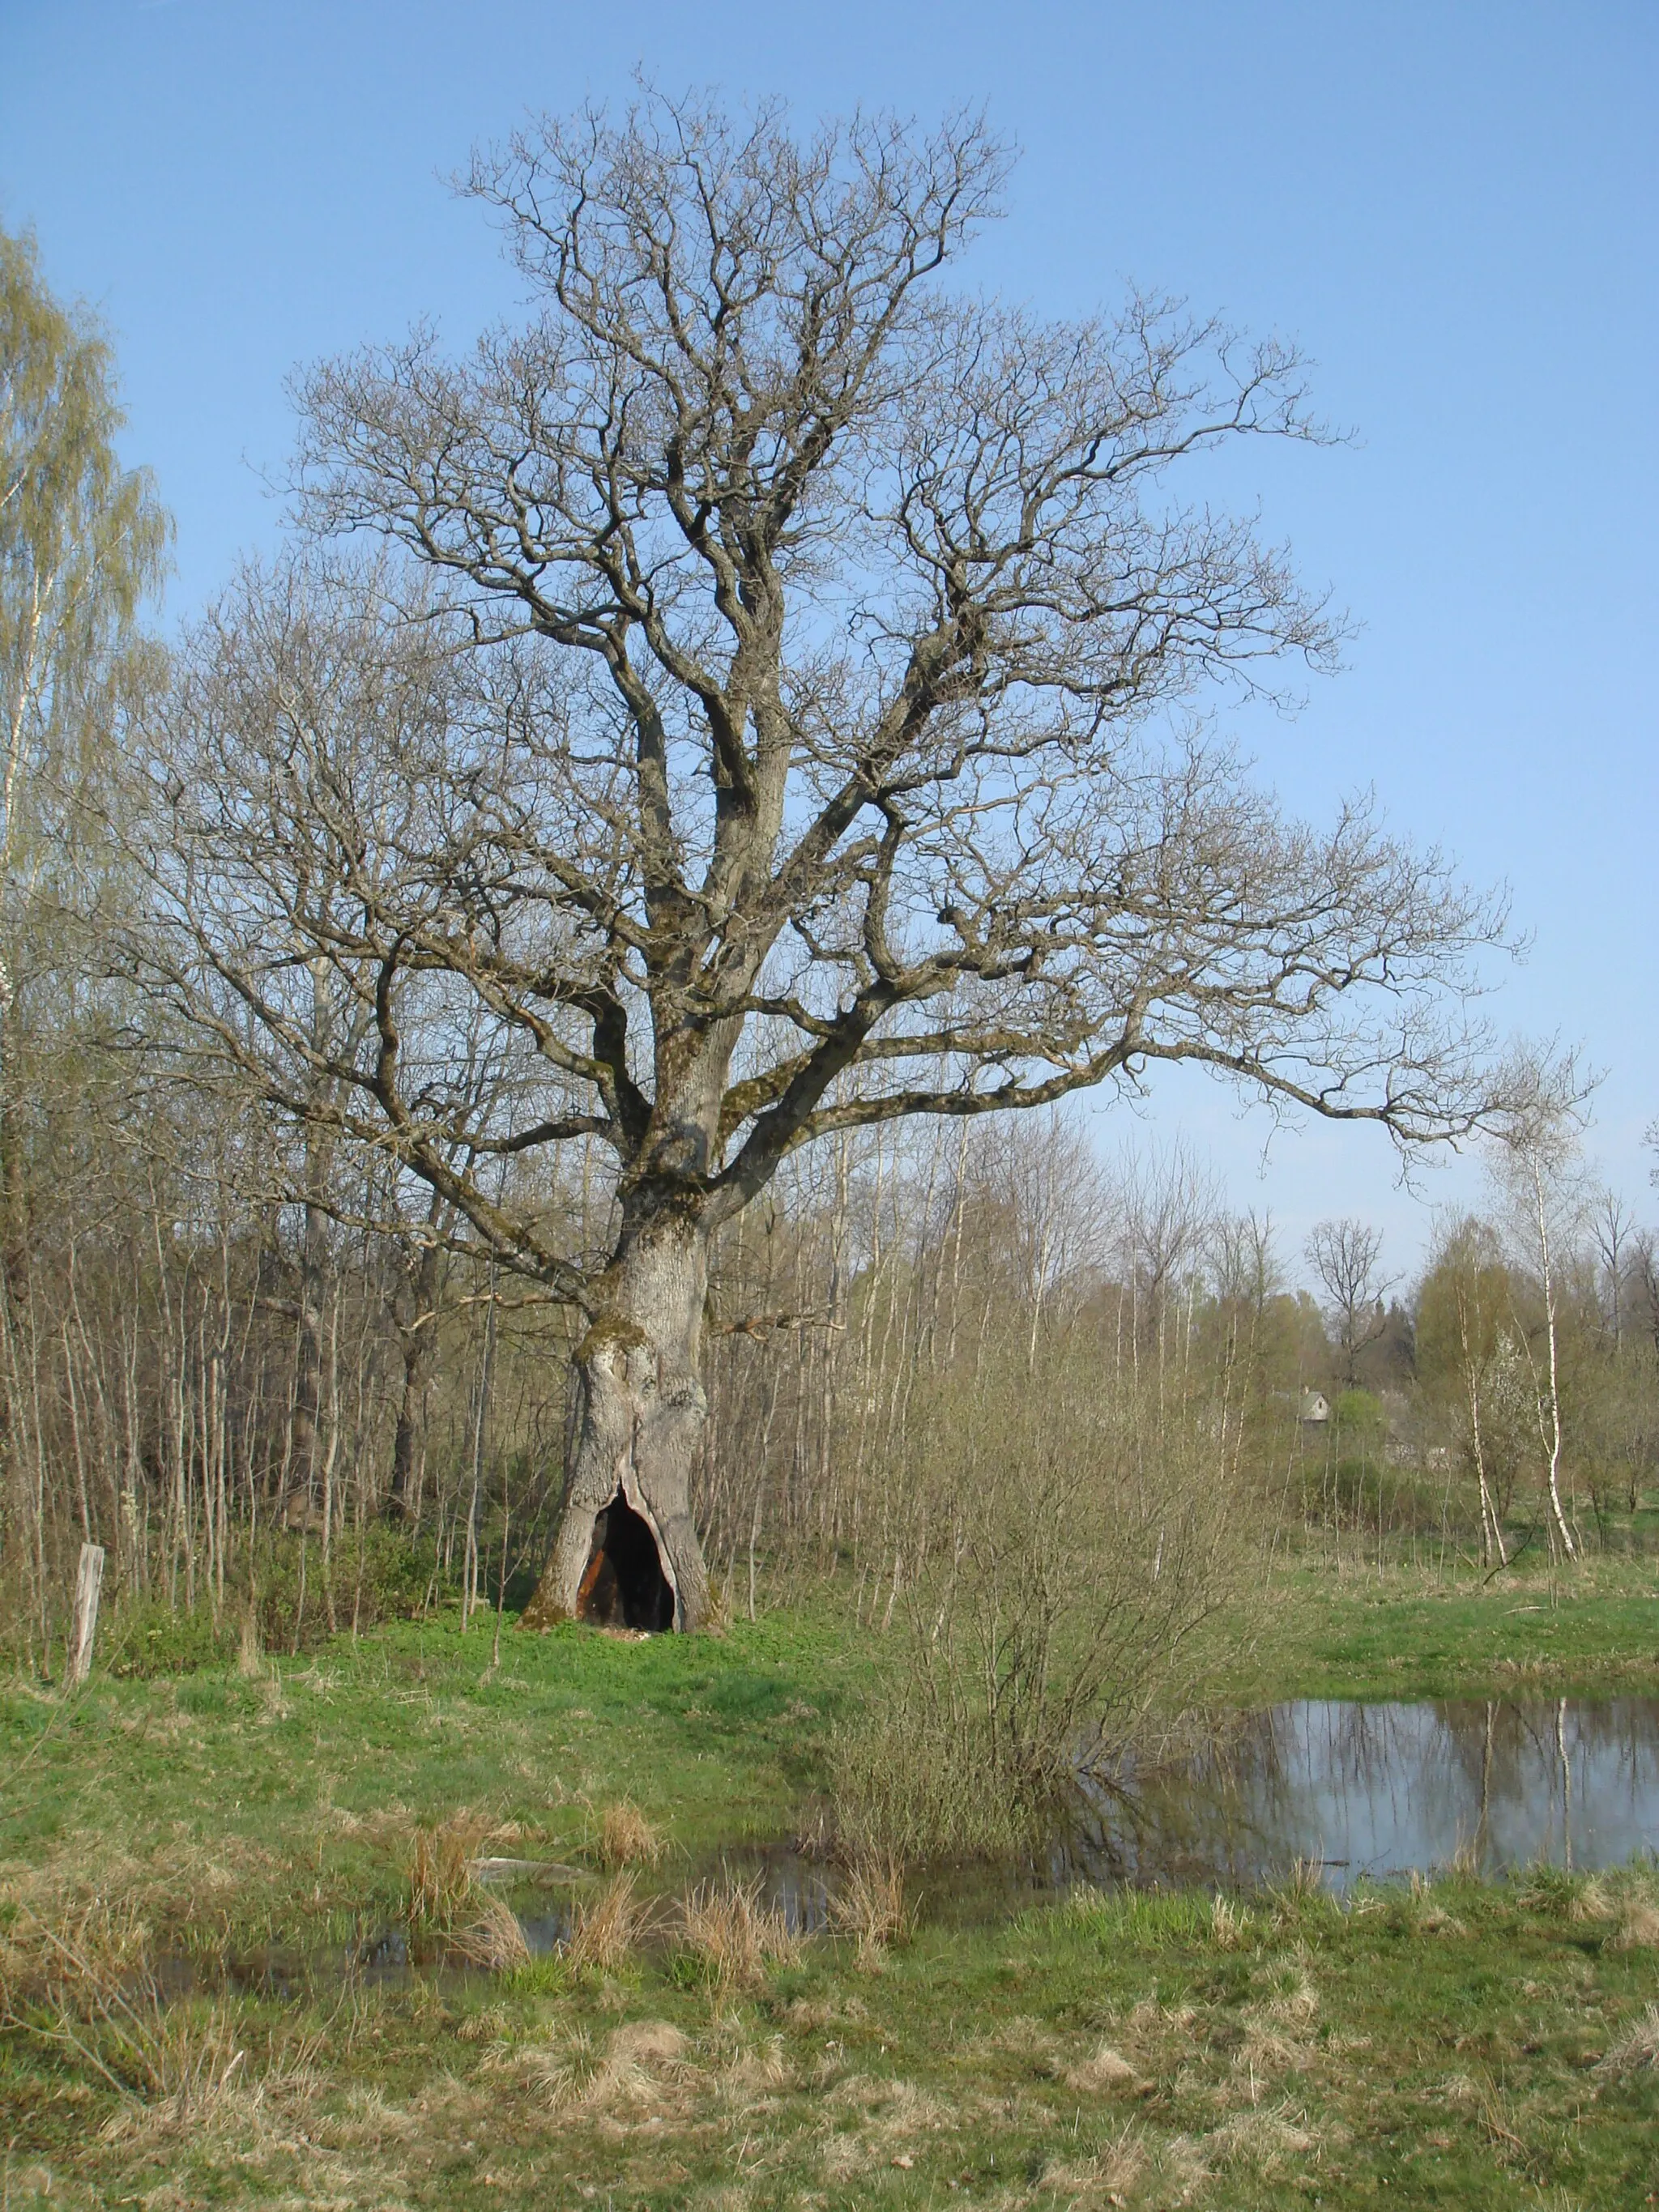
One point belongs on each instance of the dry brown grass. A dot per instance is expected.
(1109, 2178)
(1229, 1924)
(725, 1926)
(752, 2073)
(890, 2108)
(1304, 1882)
(1435, 1920)
(642, 2061)
(1637, 2047)
(1288, 1995)
(83, 1982)
(493, 1937)
(609, 1924)
(1592, 1901)
(174, 1895)
(192, 2062)
(447, 1897)
(627, 1837)
(51, 1948)
(1106, 2072)
(870, 1905)
(441, 1882)
(1267, 2140)
(1638, 1929)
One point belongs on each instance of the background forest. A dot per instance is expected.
(327, 1413)
(291, 1393)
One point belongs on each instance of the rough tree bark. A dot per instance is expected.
(637, 1422)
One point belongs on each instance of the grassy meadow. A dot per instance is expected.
(174, 1847)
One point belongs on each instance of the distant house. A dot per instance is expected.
(1315, 1409)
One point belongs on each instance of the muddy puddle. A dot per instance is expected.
(1345, 1790)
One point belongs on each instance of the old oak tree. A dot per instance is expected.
(762, 718)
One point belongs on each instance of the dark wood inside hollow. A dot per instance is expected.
(624, 1585)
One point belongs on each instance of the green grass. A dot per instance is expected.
(1449, 2047)
(1443, 2047)
(715, 1737)
(1595, 1629)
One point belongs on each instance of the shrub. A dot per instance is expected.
(147, 1636)
(381, 1574)
(1068, 1546)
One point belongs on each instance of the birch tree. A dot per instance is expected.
(1538, 1168)
(82, 542)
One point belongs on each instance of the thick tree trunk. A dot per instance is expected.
(626, 1552)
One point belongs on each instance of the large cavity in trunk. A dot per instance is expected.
(624, 1585)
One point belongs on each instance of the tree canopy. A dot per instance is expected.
(814, 766)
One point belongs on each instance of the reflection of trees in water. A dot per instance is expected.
(1387, 1787)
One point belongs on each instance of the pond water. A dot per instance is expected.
(1342, 1790)
(1383, 1790)
(1347, 1790)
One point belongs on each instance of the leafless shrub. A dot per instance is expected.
(1076, 1552)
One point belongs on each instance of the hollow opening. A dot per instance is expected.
(624, 1585)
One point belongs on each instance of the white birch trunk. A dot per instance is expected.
(88, 1581)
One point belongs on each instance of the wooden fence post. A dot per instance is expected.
(87, 1583)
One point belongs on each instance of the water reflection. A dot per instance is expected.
(1352, 1790)
(1388, 1790)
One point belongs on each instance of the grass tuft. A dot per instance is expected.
(638, 2061)
(1229, 1924)
(1637, 2048)
(724, 1927)
(1638, 1929)
(871, 1905)
(609, 1925)
(1106, 2072)
(628, 1839)
(441, 1880)
(493, 1937)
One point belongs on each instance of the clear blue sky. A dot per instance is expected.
(1452, 206)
